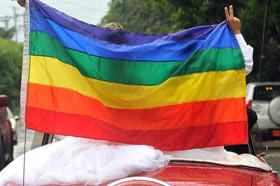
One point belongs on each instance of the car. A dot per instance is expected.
(199, 173)
(264, 99)
(57, 164)
(14, 120)
(7, 135)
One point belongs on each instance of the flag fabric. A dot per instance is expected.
(173, 91)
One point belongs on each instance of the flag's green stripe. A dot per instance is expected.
(136, 72)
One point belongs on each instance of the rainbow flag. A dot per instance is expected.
(173, 91)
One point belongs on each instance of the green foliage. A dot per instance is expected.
(165, 16)
(192, 13)
(252, 28)
(10, 71)
(140, 16)
(7, 34)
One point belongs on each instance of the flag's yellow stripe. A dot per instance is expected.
(189, 88)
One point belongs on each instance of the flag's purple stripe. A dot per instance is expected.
(99, 33)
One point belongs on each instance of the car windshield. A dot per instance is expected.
(266, 92)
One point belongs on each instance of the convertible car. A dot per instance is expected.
(184, 172)
(91, 162)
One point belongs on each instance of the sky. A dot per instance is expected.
(90, 11)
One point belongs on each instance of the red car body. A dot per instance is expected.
(191, 173)
(198, 173)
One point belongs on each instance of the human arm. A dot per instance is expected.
(235, 24)
(247, 52)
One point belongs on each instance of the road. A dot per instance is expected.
(272, 158)
(22, 147)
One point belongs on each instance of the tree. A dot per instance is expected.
(140, 16)
(10, 71)
(163, 16)
(190, 13)
(7, 34)
(253, 22)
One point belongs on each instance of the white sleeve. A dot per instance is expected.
(247, 52)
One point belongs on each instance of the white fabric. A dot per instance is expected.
(82, 161)
(219, 155)
(247, 52)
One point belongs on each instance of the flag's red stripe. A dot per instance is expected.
(175, 139)
(201, 113)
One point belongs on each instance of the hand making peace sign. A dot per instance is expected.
(233, 22)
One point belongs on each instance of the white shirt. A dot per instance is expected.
(247, 52)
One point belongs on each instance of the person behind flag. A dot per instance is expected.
(235, 24)
(247, 51)
(115, 37)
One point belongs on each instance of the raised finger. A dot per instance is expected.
(226, 13)
(231, 11)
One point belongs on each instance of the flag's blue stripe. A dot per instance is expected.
(99, 33)
(158, 50)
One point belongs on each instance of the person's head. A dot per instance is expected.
(114, 26)
(114, 37)
(21, 2)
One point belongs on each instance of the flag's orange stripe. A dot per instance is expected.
(174, 139)
(191, 114)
